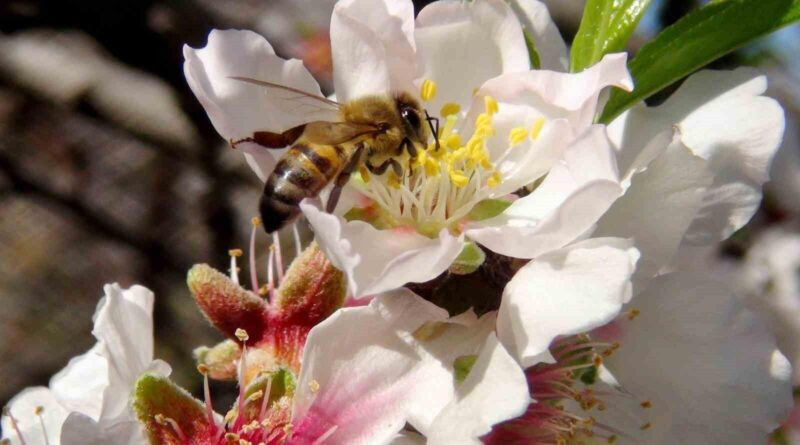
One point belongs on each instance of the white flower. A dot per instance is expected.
(503, 127)
(365, 388)
(693, 166)
(88, 401)
(769, 278)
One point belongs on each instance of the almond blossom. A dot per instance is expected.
(503, 127)
(309, 375)
(88, 401)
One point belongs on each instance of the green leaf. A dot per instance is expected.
(533, 55)
(697, 39)
(605, 28)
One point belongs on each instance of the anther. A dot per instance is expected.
(490, 105)
(646, 426)
(241, 334)
(428, 90)
(633, 313)
(517, 135)
(235, 252)
(313, 385)
(537, 128)
(449, 108)
(646, 404)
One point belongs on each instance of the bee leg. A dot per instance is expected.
(341, 180)
(412, 150)
(268, 139)
(434, 128)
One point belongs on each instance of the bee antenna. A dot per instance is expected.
(434, 130)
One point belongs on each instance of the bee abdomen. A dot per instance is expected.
(301, 173)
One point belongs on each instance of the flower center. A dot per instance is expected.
(564, 407)
(441, 185)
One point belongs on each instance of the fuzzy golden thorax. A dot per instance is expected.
(388, 112)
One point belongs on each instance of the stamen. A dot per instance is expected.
(364, 172)
(276, 241)
(633, 313)
(517, 135)
(265, 402)
(428, 90)
(14, 424)
(490, 105)
(234, 253)
(203, 369)
(270, 281)
(296, 234)
(256, 221)
(39, 410)
(241, 334)
(321, 439)
(164, 421)
(313, 385)
(449, 108)
(537, 128)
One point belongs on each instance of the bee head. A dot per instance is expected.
(412, 117)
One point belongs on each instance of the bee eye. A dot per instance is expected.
(410, 115)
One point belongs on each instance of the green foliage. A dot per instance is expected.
(606, 27)
(697, 39)
(533, 55)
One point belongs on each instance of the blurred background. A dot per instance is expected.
(111, 171)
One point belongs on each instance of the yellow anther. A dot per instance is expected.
(517, 135)
(313, 385)
(483, 120)
(490, 105)
(458, 178)
(255, 221)
(235, 252)
(431, 167)
(241, 334)
(255, 396)
(393, 180)
(537, 128)
(646, 404)
(646, 426)
(202, 369)
(453, 141)
(364, 172)
(495, 179)
(450, 108)
(38, 410)
(428, 90)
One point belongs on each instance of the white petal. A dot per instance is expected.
(495, 390)
(722, 118)
(369, 386)
(770, 280)
(570, 200)
(547, 39)
(80, 385)
(407, 438)
(558, 95)
(707, 364)
(658, 207)
(23, 408)
(565, 292)
(379, 260)
(373, 47)
(124, 327)
(523, 164)
(238, 109)
(462, 45)
(81, 430)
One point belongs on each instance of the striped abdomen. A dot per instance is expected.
(301, 173)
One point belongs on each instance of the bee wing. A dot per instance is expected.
(332, 133)
(304, 102)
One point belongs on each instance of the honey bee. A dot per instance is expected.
(373, 131)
